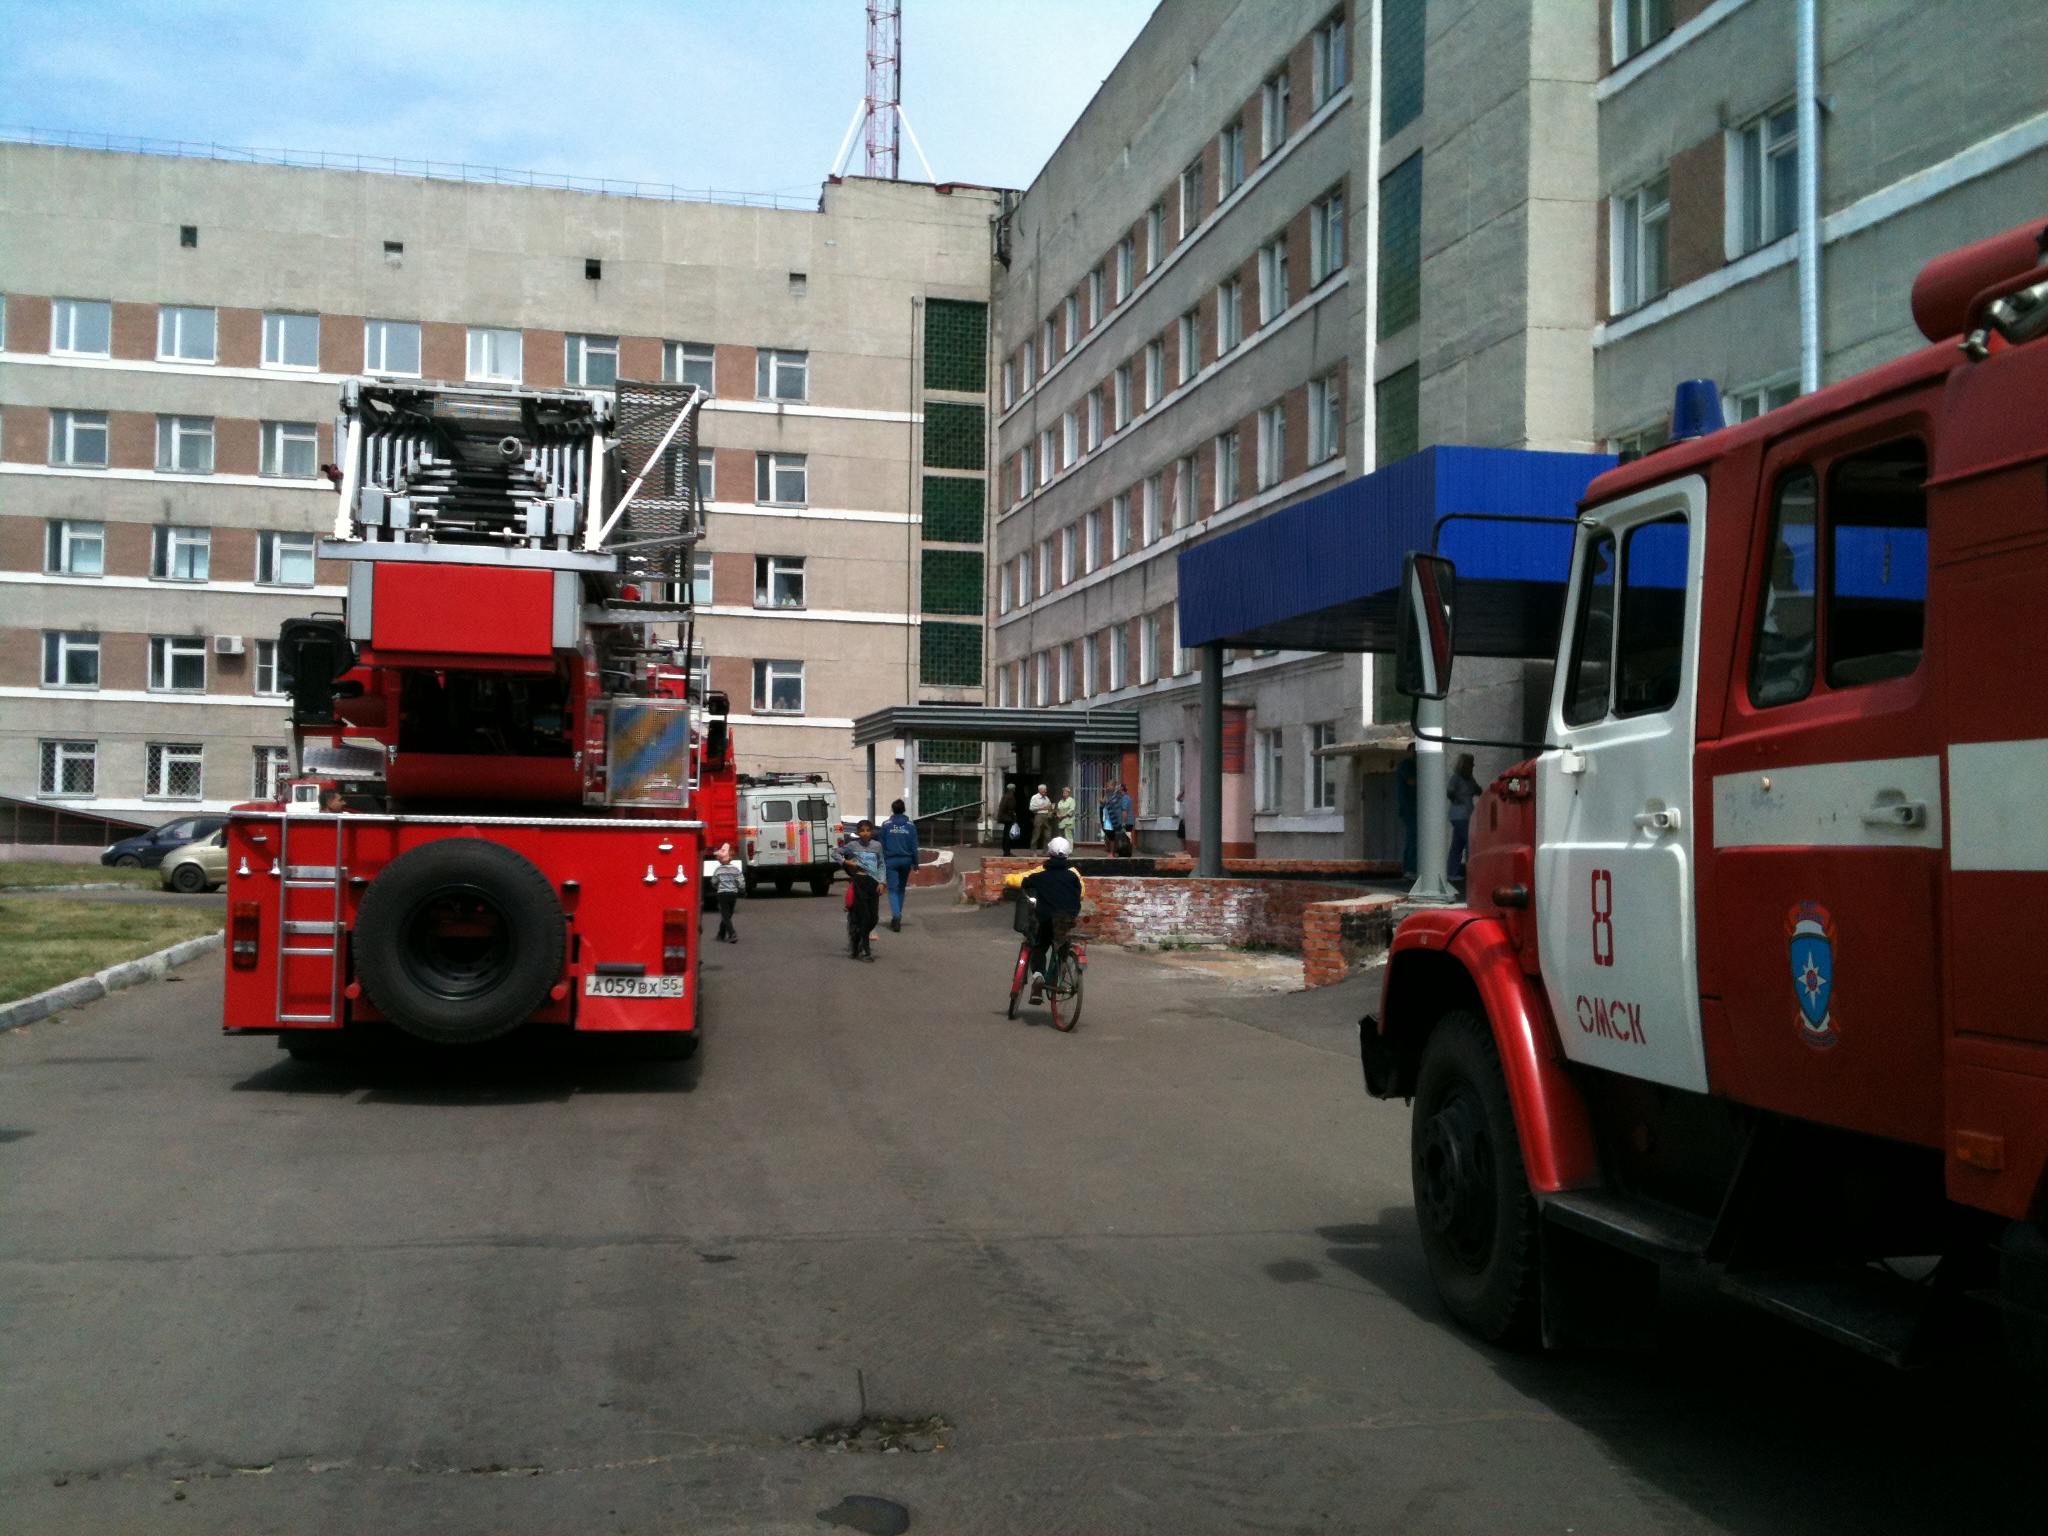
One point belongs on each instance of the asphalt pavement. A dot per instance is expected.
(1156, 1275)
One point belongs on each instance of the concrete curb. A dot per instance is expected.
(91, 988)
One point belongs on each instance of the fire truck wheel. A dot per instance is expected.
(1472, 1197)
(783, 883)
(821, 885)
(458, 941)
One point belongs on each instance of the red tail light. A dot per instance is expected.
(244, 931)
(676, 923)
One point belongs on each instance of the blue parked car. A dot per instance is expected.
(146, 850)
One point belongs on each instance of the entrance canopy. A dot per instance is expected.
(1324, 574)
(974, 722)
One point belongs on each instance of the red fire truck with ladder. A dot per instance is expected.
(1740, 983)
(500, 787)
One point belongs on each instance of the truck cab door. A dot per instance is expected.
(1614, 855)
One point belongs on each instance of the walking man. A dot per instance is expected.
(1116, 821)
(726, 880)
(864, 860)
(1463, 793)
(1067, 812)
(1041, 818)
(898, 837)
(1006, 817)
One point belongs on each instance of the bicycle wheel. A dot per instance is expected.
(1066, 991)
(1017, 980)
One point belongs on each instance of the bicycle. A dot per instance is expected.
(1065, 963)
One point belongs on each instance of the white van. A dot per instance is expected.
(789, 825)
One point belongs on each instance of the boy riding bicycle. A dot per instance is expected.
(1058, 891)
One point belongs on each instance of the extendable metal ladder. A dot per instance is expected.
(309, 920)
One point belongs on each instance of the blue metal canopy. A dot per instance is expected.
(1324, 574)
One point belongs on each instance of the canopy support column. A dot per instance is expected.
(871, 781)
(1210, 860)
(1432, 808)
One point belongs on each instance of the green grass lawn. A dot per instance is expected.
(38, 872)
(45, 942)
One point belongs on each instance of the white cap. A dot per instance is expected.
(1060, 846)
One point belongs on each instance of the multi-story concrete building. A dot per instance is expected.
(175, 333)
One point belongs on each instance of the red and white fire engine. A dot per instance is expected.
(500, 785)
(1741, 980)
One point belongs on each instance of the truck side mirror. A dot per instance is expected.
(1425, 627)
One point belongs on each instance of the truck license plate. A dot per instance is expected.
(633, 986)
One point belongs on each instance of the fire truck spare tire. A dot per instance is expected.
(1472, 1198)
(459, 940)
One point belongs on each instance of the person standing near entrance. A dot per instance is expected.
(1463, 793)
(1067, 812)
(1041, 818)
(1404, 807)
(898, 837)
(864, 859)
(1006, 818)
(727, 878)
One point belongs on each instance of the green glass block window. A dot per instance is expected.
(1397, 410)
(955, 345)
(944, 791)
(953, 581)
(1401, 246)
(949, 655)
(1403, 25)
(948, 751)
(953, 509)
(953, 435)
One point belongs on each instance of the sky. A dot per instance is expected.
(738, 96)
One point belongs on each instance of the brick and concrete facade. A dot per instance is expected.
(175, 333)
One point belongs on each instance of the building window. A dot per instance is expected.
(1120, 526)
(177, 663)
(1272, 445)
(70, 768)
(1748, 404)
(1122, 416)
(1009, 382)
(1184, 492)
(700, 580)
(1326, 232)
(781, 479)
(1155, 506)
(176, 770)
(778, 581)
(1272, 280)
(1764, 171)
(591, 361)
(1397, 415)
(1268, 763)
(1403, 38)
(81, 327)
(70, 659)
(1066, 664)
(1325, 419)
(1330, 53)
(1048, 465)
(78, 439)
(184, 335)
(1191, 197)
(1638, 24)
(1628, 446)
(1148, 648)
(1095, 301)
(1273, 104)
(1048, 339)
(271, 767)
(1126, 267)
(1023, 474)
(1070, 435)
(1090, 680)
(779, 687)
(1190, 345)
(1069, 538)
(1155, 372)
(291, 449)
(184, 444)
(1322, 771)
(1026, 363)
(181, 554)
(688, 362)
(1226, 470)
(1024, 578)
(1119, 656)
(291, 341)
(284, 559)
(1070, 312)
(75, 549)
(496, 356)
(391, 347)
(1230, 146)
(1642, 265)
(1091, 540)
(266, 668)
(1229, 315)
(1155, 236)
(697, 677)
(707, 473)
(1094, 419)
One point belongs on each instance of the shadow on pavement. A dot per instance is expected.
(536, 1067)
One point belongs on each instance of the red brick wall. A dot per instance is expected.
(341, 343)
(734, 677)
(444, 351)
(131, 440)
(1338, 937)
(639, 357)
(541, 359)
(234, 446)
(21, 543)
(28, 323)
(25, 434)
(134, 331)
(734, 373)
(1697, 234)
(240, 338)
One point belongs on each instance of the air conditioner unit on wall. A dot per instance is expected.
(227, 645)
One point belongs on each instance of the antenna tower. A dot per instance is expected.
(884, 103)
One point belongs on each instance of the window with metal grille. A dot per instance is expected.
(953, 581)
(1403, 31)
(953, 509)
(949, 655)
(1397, 413)
(70, 768)
(1401, 246)
(946, 791)
(176, 770)
(955, 345)
(935, 750)
(954, 435)
(271, 767)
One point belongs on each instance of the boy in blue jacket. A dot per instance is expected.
(898, 837)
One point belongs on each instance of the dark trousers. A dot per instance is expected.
(726, 901)
(1049, 932)
(898, 874)
(1454, 866)
(861, 916)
